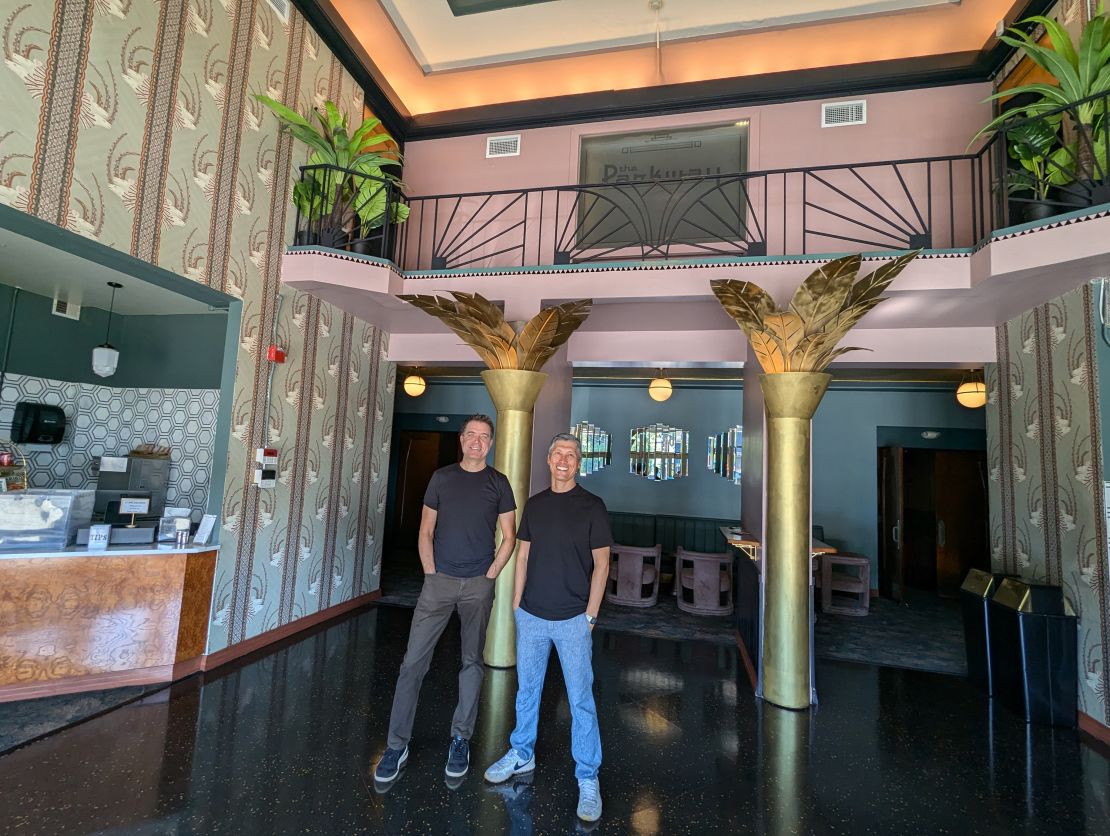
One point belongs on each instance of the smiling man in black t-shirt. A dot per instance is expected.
(561, 569)
(462, 505)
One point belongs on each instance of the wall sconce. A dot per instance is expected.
(415, 385)
(660, 388)
(105, 357)
(972, 392)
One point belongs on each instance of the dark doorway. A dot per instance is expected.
(933, 519)
(419, 454)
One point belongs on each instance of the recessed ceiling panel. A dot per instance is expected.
(451, 34)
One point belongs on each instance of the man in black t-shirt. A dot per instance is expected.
(561, 569)
(462, 505)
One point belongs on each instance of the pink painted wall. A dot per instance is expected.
(912, 123)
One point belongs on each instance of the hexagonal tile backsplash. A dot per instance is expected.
(109, 421)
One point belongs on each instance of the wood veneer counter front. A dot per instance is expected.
(80, 620)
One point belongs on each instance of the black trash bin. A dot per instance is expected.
(975, 592)
(1033, 650)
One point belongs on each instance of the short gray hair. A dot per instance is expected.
(573, 439)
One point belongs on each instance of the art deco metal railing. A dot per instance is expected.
(932, 202)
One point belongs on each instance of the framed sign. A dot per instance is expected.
(204, 530)
(660, 188)
(99, 537)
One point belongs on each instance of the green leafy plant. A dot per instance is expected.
(325, 192)
(1036, 147)
(1082, 78)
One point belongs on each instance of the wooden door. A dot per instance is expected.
(891, 522)
(960, 491)
(420, 453)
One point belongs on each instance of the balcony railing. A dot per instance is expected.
(932, 202)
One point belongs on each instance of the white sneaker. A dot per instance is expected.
(589, 799)
(508, 766)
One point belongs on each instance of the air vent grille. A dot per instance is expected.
(281, 7)
(70, 310)
(839, 114)
(503, 146)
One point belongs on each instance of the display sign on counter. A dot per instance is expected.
(204, 530)
(99, 536)
(134, 504)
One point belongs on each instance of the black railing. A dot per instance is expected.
(932, 202)
(349, 210)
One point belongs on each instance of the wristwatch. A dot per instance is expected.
(591, 620)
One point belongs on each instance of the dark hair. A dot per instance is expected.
(478, 416)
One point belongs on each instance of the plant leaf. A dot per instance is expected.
(767, 351)
(874, 283)
(821, 295)
(571, 316)
(787, 329)
(748, 304)
(536, 336)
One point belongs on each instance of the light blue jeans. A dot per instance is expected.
(574, 644)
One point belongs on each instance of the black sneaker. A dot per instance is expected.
(390, 765)
(458, 757)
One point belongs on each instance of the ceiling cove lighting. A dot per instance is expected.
(415, 385)
(105, 357)
(972, 392)
(660, 388)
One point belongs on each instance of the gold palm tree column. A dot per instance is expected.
(794, 346)
(514, 382)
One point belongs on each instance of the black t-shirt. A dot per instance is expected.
(563, 529)
(467, 506)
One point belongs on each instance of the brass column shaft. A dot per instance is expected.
(791, 399)
(514, 393)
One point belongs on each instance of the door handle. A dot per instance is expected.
(895, 535)
(940, 533)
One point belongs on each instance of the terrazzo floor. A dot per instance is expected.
(284, 744)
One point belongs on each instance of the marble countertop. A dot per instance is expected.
(111, 551)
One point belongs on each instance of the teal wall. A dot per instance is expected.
(180, 351)
(850, 425)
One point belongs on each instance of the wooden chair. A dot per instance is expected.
(631, 570)
(707, 577)
(854, 590)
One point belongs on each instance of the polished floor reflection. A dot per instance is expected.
(283, 744)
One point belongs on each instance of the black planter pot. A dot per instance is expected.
(367, 246)
(305, 238)
(1039, 211)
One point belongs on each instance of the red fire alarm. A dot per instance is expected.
(275, 354)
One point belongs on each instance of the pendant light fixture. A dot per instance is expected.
(660, 388)
(972, 391)
(414, 385)
(105, 357)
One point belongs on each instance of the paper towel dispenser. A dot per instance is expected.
(38, 423)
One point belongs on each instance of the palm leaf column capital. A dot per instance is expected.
(514, 381)
(794, 346)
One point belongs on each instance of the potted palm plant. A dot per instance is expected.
(1036, 147)
(1076, 104)
(340, 166)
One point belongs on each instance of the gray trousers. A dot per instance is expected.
(441, 596)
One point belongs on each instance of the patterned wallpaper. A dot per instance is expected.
(112, 421)
(131, 122)
(1044, 449)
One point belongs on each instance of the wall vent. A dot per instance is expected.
(503, 146)
(281, 7)
(839, 114)
(70, 310)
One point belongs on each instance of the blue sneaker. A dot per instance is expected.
(458, 757)
(508, 766)
(389, 767)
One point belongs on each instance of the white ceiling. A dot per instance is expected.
(48, 271)
(440, 41)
